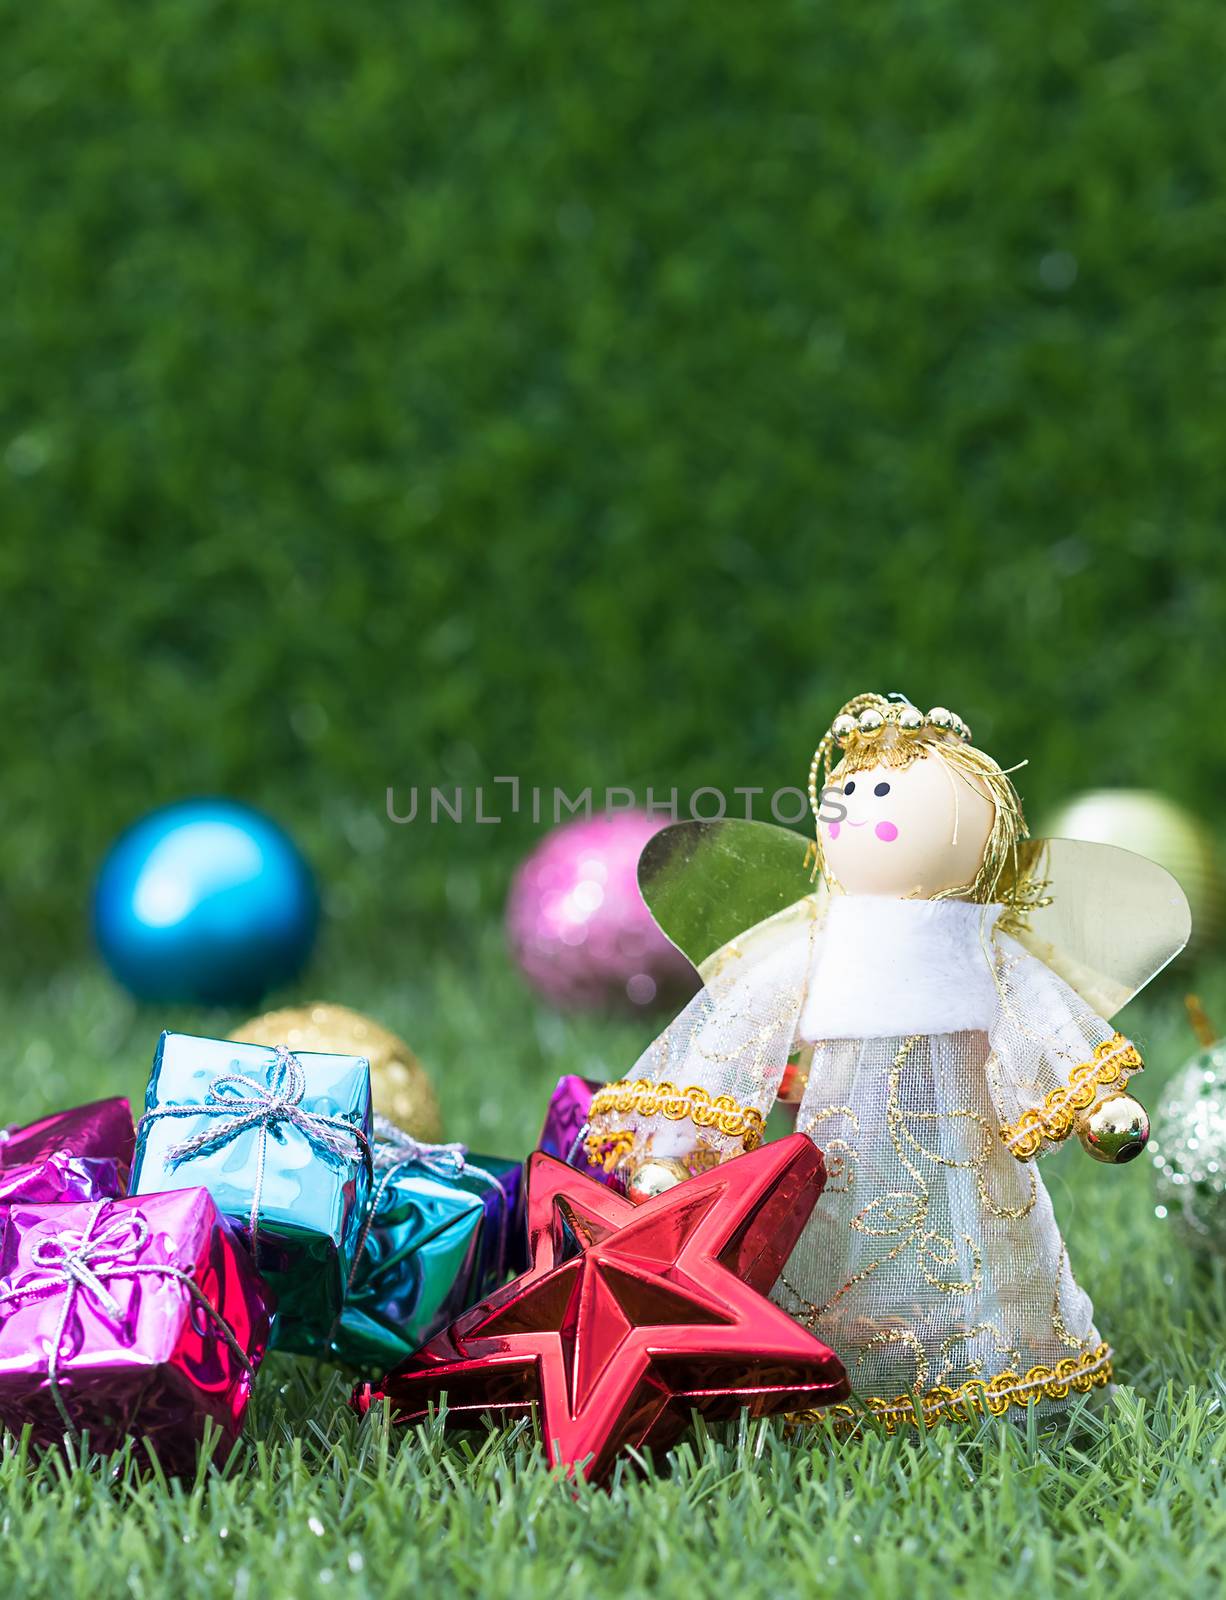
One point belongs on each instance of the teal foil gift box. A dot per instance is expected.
(281, 1140)
(442, 1228)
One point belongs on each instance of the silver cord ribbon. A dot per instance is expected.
(73, 1264)
(577, 1144)
(246, 1104)
(394, 1150)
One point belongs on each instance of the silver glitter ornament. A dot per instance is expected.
(1188, 1149)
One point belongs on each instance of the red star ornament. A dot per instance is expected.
(631, 1317)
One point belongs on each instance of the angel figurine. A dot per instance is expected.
(939, 1005)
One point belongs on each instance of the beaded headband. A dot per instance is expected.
(873, 728)
(872, 722)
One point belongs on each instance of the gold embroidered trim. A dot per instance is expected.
(1054, 1119)
(607, 1149)
(974, 1398)
(648, 1099)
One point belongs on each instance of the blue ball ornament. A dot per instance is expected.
(206, 901)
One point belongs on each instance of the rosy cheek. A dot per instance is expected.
(832, 828)
(886, 832)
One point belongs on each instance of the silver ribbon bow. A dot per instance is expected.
(245, 1104)
(73, 1264)
(394, 1150)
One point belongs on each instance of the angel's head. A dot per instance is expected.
(926, 815)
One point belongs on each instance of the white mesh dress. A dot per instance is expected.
(945, 1057)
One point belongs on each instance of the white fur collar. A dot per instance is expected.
(890, 968)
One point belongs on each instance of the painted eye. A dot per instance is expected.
(850, 788)
(881, 790)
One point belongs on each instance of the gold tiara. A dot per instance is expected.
(872, 719)
(872, 722)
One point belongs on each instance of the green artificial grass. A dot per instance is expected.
(1126, 1499)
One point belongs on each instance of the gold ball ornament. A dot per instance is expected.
(842, 728)
(1153, 826)
(400, 1086)
(870, 723)
(652, 1176)
(1115, 1131)
(793, 1084)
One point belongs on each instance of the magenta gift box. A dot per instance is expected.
(136, 1317)
(81, 1154)
(566, 1120)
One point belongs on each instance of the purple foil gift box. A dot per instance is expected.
(136, 1317)
(566, 1123)
(81, 1154)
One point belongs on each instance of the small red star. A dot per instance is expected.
(631, 1317)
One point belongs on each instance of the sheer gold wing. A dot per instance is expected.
(719, 889)
(1113, 919)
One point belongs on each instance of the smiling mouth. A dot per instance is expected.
(857, 824)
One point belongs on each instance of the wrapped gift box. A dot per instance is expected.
(128, 1317)
(444, 1228)
(81, 1154)
(565, 1122)
(280, 1139)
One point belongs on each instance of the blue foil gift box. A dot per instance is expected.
(281, 1140)
(443, 1228)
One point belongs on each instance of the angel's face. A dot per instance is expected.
(909, 831)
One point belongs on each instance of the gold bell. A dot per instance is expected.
(1115, 1131)
(653, 1176)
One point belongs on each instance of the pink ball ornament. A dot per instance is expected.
(577, 924)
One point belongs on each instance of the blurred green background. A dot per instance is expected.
(397, 395)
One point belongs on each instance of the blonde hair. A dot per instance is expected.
(875, 730)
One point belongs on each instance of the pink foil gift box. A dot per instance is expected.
(81, 1154)
(136, 1317)
(566, 1124)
